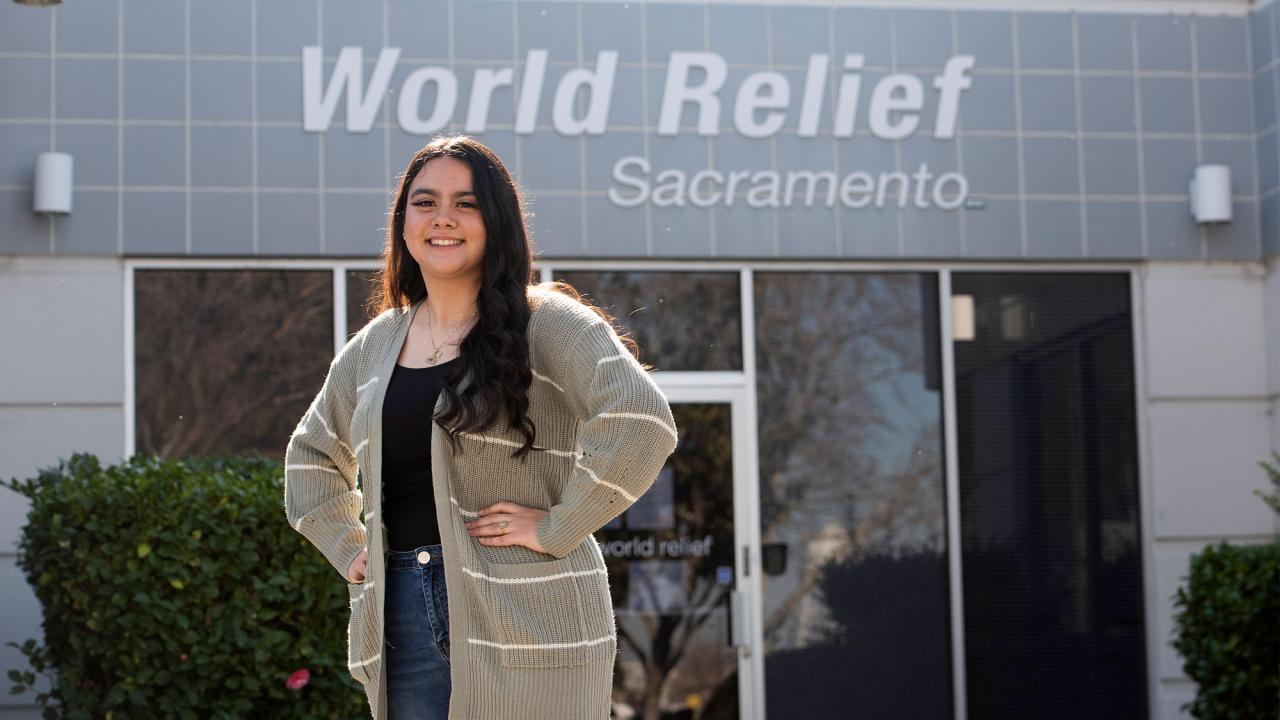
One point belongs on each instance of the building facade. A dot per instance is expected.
(962, 382)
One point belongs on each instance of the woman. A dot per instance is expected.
(545, 427)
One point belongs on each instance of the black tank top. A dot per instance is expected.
(408, 500)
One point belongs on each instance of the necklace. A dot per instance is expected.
(437, 349)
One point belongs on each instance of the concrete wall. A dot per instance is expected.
(63, 391)
(1264, 42)
(1272, 299)
(1207, 390)
(1264, 31)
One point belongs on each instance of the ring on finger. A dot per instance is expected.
(502, 524)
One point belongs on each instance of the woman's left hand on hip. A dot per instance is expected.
(506, 523)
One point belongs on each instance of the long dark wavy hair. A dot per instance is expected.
(496, 349)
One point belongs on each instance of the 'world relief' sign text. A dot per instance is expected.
(694, 81)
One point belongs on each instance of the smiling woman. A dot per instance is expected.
(453, 422)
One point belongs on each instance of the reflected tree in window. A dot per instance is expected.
(361, 285)
(226, 361)
(671, 568)
(851, 483)
(360, 289)
(681, 320)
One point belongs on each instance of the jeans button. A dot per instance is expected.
(424, 557)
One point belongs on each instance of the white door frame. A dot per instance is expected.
(732, 388)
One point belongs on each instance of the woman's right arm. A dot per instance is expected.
(321, 499)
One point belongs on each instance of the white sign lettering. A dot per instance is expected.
(762, 102)
(672, 187)
(695, 83)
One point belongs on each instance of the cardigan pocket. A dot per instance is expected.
(535, 613)
(363, 651)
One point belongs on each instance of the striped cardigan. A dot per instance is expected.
(532, 635)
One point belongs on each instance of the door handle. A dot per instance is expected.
(738, 623)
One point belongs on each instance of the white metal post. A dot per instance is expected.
(339, 308)
(959, 690)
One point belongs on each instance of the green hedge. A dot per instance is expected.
(1229, 631)
(176, 589)
(1228, 626)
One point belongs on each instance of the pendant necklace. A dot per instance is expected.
(435, 355)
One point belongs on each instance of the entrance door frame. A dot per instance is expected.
(745, 620)
(738, 388)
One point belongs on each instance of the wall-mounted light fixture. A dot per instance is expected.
(1210, 191)
(38, 2)
(53, 183)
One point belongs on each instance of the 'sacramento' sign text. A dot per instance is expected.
(695, 90)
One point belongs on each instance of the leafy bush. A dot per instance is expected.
(176, 589)
(1272, 499)
(1228, 627)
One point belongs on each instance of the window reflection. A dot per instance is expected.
(671, 569)
(657, 586)
(852, 492)
(360, 289)
(655, 509)
(226, 361)
(1046, 434)
(682, 320)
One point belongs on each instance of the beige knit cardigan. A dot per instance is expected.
(532, 635)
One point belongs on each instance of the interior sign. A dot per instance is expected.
(695, 90)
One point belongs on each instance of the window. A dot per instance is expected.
(359, 290)
(852, 496)
(681, 320)
(1047, 446)
(227, 361)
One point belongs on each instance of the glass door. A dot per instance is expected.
(683, 565)
(677, 576)
(855, 606)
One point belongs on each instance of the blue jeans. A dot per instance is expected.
(417, 635)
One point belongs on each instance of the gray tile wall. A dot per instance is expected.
(1079, 133)
(1264, 36)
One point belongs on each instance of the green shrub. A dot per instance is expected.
(1228, 631)
(1272, 498)
(176, 589)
